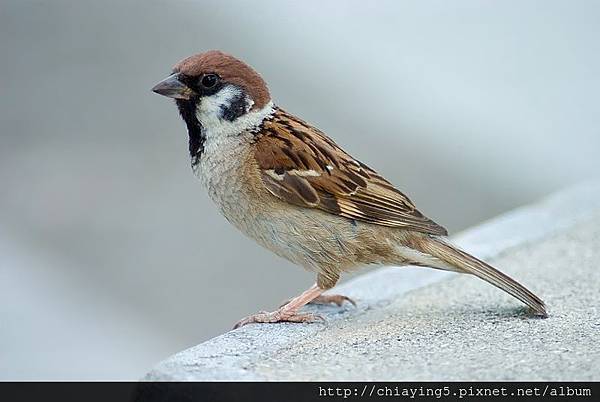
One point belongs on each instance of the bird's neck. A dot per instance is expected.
(216, 129)
(212, 120)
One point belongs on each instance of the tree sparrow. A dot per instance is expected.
(291, 188)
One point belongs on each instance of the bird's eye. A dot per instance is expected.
(209, 80)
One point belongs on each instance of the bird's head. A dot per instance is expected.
(216, 94)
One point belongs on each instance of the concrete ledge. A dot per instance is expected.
(424, 325)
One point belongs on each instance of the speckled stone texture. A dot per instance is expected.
(443, 326)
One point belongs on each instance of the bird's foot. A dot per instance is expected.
(281, 315)
(338, 300)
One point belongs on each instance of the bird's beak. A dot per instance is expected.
(172, 87)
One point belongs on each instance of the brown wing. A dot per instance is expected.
(301, 165)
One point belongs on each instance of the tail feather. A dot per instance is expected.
(466, 263)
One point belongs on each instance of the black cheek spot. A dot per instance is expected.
(235, 109)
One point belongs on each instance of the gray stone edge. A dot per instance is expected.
(229, 357)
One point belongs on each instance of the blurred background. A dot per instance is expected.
(111, 255)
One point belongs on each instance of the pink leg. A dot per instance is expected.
(287, 312)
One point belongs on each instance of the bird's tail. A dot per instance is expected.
(461, 261)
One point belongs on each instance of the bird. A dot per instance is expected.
(287, 185)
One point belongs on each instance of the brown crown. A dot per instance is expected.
(230, 70)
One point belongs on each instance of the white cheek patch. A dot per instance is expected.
(210, 113)
(211, 107)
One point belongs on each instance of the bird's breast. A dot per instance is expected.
(305, 236)
(223, 169)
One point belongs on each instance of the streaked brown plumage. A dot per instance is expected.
(287, 148)
(291, 188)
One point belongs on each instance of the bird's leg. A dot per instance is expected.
(325, 281)
(289, 311)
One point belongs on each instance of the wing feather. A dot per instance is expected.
(301, 165)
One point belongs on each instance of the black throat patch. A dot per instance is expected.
(187, 110)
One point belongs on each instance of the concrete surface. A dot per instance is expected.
(452, 327)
